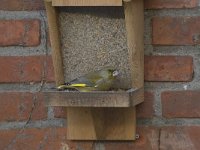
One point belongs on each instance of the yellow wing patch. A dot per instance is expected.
(78, 85)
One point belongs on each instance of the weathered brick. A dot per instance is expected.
(59, 112)
(180, 138)
(16, 106)
(145, 109)
(178, 104)
(176, 30)
(168, 68)
(44, 139)
(25, 69)
(83, 145)
(21, 5)
(19, 32)
(160, 4)
(148, 140)
(32, 139)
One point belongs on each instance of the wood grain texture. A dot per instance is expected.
(134, 18)
(80, 124)
(55, 43)
(101, 123)
(87, 2)
(94, 99)
(95, 123)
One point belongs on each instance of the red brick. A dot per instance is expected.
(21, 5)
(5, 138)
(180, 138)
(148, 140)
(59, 112)
(44, 139)
(25, 69)
(16, 106)
(160, 4)
(176, 30)
(81, 145)
(19, 32)
(32, 139)
(168, 68)
(179, 104)
(145, 109)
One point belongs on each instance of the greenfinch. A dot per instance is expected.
(100, 80)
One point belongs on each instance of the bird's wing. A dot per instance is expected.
(82, 82)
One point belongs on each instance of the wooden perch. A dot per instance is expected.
(87, 2)
(94, 99)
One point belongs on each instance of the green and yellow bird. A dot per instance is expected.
(101, 80)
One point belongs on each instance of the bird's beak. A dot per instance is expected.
(115, 73)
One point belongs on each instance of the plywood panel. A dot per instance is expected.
(55, 43)
(134, 18)
(101, 123)
(87, 2)
(80, 124)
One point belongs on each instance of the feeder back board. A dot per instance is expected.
(86, 119)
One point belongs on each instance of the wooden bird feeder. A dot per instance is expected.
(100, 115)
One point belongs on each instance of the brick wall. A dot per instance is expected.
(169, 117)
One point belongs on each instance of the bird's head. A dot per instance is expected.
(114, 72)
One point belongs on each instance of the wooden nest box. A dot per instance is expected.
(100, 115)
